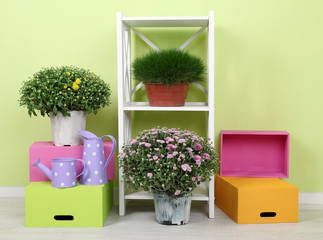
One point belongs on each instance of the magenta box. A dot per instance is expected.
(46, 151)
(254, 154)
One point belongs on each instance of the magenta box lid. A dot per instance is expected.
(254, 154)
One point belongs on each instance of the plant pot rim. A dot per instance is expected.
(72, 112)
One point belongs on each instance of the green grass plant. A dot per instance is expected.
(168, 67)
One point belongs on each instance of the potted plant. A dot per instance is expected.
(167, 75)
(170, 163)
(66, 94)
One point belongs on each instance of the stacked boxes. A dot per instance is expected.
(249, 189)
(80, 206)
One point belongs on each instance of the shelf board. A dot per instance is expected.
(144, 106)
(166, 21)
(199, 194)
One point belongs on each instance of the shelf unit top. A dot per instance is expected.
(144, 106)
(166, 21)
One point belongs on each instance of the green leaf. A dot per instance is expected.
(55, 110)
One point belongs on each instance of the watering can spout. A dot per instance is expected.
(43, 168)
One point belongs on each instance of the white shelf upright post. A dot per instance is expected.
(125, 91)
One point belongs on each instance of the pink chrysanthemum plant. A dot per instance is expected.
(168, 160)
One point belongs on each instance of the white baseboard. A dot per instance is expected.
(310, 198)
(12, 191)
(19, 191)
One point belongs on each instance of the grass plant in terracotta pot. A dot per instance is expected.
(66, 94)
(170, 163)
(167, 75)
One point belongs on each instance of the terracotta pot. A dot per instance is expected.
(166, 95)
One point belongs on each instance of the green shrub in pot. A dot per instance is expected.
(63, 89)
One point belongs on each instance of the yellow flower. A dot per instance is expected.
(68, 74)
(68, 89)
(83, 97)
(65, 86)
(75, 86)
(78, 81)
(60, 92)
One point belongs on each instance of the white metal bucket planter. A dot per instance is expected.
(65, 129)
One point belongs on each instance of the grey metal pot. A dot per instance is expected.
(172, 211)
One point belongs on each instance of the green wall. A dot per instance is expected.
(268, 70)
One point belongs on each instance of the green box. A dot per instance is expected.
(80, 206)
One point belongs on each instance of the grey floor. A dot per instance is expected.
(139, 223)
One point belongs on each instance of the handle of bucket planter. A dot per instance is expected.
(83, 164)
(113, 149)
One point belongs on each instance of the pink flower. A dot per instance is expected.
(182, 140)
(195, 138)
(199, 178)
(186, 167)
(154, 133)
(175, 153)
(149, 175)
(182, 155)
(131, 178)
(206, 156)
(197, 159)
(198, 146)
(133, 152)
(147, 144)
(156, 149)
(169, 139)
(178, 192)
(148, 155)
(133, 141)
(155, 157)
(189, 149)
(123, 155)
(170, 156)
(160, 141)
(141, 143)
(174, 167)
(193, 179)
(171, 147)
(187, 134)
(178, 159)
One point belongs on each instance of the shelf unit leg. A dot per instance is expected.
(211, 198)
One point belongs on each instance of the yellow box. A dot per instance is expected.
(257, 200)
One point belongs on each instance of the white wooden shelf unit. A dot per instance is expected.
(205, 192)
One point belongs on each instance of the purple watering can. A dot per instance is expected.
(63, 173)
(95, 166)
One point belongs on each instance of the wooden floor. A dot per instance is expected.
(139, 223)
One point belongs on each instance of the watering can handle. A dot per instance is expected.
(113, 149)
(83, 164)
